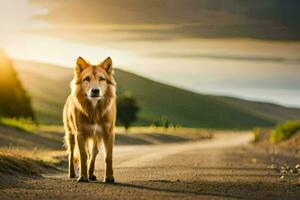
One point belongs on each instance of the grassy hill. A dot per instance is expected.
(49, 87)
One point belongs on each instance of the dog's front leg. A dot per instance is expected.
(92, 160)
(108, 140)
(81, 142)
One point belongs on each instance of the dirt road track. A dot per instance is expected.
(226, 167)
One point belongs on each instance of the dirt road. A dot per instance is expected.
(226, 167)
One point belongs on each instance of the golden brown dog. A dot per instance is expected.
(89, 118)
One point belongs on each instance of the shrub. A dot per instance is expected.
(21, 123)
(127, 110)
(285, 131)
(165, 122)
(256, 135)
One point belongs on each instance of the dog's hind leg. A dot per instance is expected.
(94, 152)
(70, 142)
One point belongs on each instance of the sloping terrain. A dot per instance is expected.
(49, 86)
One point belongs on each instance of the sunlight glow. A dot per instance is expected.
(16, 16)
(58, 51)
(197, 64)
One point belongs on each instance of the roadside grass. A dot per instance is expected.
(21, 124)
(256, 135)
(181, 131)
(48, 157)
(31, 127)
(151, 129)
(32, 163)
(15, 160)
(11, 165)
(56, 132)
(261, 134)
(284, 131)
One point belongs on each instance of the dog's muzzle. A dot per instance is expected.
(95, 92)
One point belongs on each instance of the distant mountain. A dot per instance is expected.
(49, 86)
(14, 101)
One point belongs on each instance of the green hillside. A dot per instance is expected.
(49, 87)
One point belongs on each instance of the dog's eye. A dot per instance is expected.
(86, 79)
(101, 78)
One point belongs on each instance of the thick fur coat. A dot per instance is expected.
(89, 118)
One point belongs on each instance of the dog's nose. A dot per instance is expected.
(95, 92)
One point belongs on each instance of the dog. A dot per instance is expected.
(89, 117)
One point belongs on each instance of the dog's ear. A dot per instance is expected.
(81, 64)
(107, 65)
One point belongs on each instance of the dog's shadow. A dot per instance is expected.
(160, 189)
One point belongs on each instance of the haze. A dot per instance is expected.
(244, 49)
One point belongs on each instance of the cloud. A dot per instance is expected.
(271, 19)
(229, 57)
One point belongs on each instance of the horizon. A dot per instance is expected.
(250, 68)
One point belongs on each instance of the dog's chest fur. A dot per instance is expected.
(94, 129)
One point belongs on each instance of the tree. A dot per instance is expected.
(14, 100)
(127, 109)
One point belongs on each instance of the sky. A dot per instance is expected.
(210, 49)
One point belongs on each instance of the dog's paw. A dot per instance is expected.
(72, 175)
(109, 179)
(82, 179)
(92, 177)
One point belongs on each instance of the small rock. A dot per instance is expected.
(297, 166)
(178, 180)
(277, 170)
(283, 171)
(295, 171)
(273, 166)
(282, 179)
